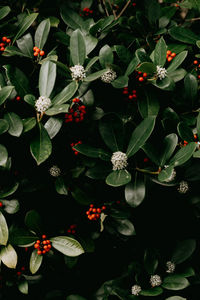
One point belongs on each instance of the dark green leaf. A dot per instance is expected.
(118, 178)
(71, 18)
(183, 35)
(28, 124)
(149, 104)
(53, 126)
(120, 82)
(160, 52)
(25, 44)
(125, 227)
(183, 250)
(9, 190)
(60, 186)
(177, 61)
(3, 126)
(23, 286)
(185, 132)
(3, 155)
(183, 155)
(5, 93)
(57, 109)
(169, 145)
(191, 87)
(77, 48)
(68, 246)
(42, 33)
(150, 261)
(33, 221)
(24, 25)
(35, 261)
(15, 124)
(92, 152)
(95, 75)
(47, 78)
(175, 282)
(147, 67)
(156, 291)
(105, 56)
(4, 11)
(66, 94)
(135, 191)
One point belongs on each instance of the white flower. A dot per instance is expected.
(135, 290)
(109, 76)
(155, 280)
(42, 104)
(78, 72)
(161, 72)
(172, 177)
(170, 267)
(119, 160)
(183, 187)
(55, 171)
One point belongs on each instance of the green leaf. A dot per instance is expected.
(106, 56)
(135, 191)
(33, 221)
(156, 291)
(77, 48)
(15, 124)
(5, 93)
(175, 282)
(28, 124)
(4, 11)
(165, 174)
(147, 67)
(75, 297)
(53, 126)
(140, 135)
(88, 98)
(24, 25)
(57, 109)
(66, 94)
(92, 151)
(132, 66)
(142, 56)
(25, 44)
(68, 246)
(177, 61)
(47, 78)
(166, 84)
(60, 186)
(150, 261)
(71, 18)
(8, 256)
(184, 249)
(9, 190)
(18, 79)
(169, 145)
(177, 75)
(21, 237)
(198, 124)
(98, 172)
(175, 298)
(35, 261)
(183, 155)
(3, 230)
(183, 35)
(23, 286)
(95, 75)
(30, 99)
(118, 178)
(153, 11)
(124, 226)
(81, 197)
(160, 53)
(12, 51)
(3, 126)
(41, 146)
(112, 131)
(3, 155)
(42, 33)
(191, 87)
(90, 43)
(149, 104)
(10, 206)
(185, 132)
(91, 62)
(120, 82)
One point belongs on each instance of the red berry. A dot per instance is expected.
(35, 53)
(8, 41)
(144, 74)
(4, 38)
(173, 54)
(42, 53)
(195, 62)
(1, 204)
(141, 79)
(169, 52)
(18, 98)
(44, 236)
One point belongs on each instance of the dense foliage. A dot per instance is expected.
(99, 149)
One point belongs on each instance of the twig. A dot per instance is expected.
(123, 9)
(193, 19)
(114, 14)
(104, 4)
(148, 172)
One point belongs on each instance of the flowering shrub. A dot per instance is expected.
(99, 150)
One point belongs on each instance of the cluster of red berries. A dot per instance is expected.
(74, 144)
(86, 12)
(130, 95)
(94, 213)
(72, 229)
(76, 112)
(19, 273)
(197, 64)
(170, 55)
(3, 45)
(37, 51)
(195, 140)
(141, 76)
(1, 204)
(42, 246)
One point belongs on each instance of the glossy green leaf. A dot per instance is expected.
(148, 105)
(118, 178)
(23, 286)
(15, 124)
(106, 56)
(68, 246)
(3, 126)
(22, 237)
(42, 33)
(185, 132)
(28, 124)
(124, 226)
(112, 131)
(57, 109)
(142, 56)
(95, 75)
(147, 67)
(47, 78)
(100, 171)
(12, 51)
(77, 48)
(24, 25)
(177, 61)
(70, 17)
(3, 155)
(61, 187)
(183, 250)
(41, 146)
(156, 291)
(35, 261)
(5, 93)
(135, 191)
(166, 174)
(183, 35)
(4, 11)
(166, 84)
(183, 155)
(160, 52)
(120, 82)
(93, 152)
(66, 94)
(90, 43)
(30, 99)
(88, 98)
(191, 87)
(132, 66)
(53, 126)
(8, 256)
(177, 75)
(3, 230)
(140, 135)
(175, 282)
(11, 189)
(25, 44)
(169, 145)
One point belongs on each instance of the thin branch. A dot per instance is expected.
(114, 14)
(192, 20)
(148, 172)
(123, 9)
(104, 4)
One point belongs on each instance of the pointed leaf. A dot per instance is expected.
(3, 230)
(25, 44)
(4, 11)
(77, 48)
(35, 261)
(66, 94)
(42, 33)
(3, 155)
(177, 61)
(183, 155)
(169, 145)
(68, 246)
(15, 124)
(23, 286)
(5, 93)
(47, 78)
(53, 126)
(8, 256)
(3, 126)
(135, 191)
(92, 151)
(160, 52)
(118, 178)
(24, 25)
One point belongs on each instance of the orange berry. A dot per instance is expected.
(42, 53)
(44, 242)
(173, 54)
(35, 48)
(99, 210)
(2, 44)
(91, 205)
(104, 207)
(169, 52)
(45, 247)
(39, 252)
(35, 53)
(36, 246)
(195, 62)
(44, 251)
(38, 241)
(144, 74)
(49, 246)
(141, 79)
(2, 49)
(169, 59)
(44, 236)
(199, 76)
(4, 38)
(94, 210)
(8, 41)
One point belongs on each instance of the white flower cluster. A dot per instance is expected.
(135, 290)
(183, 187)
(109, 76)
(155, 280)
(42, 104)
(78, 72)
(161, 72)
(55, 171)
(170, 267)
(172, 177)
(119, 160)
